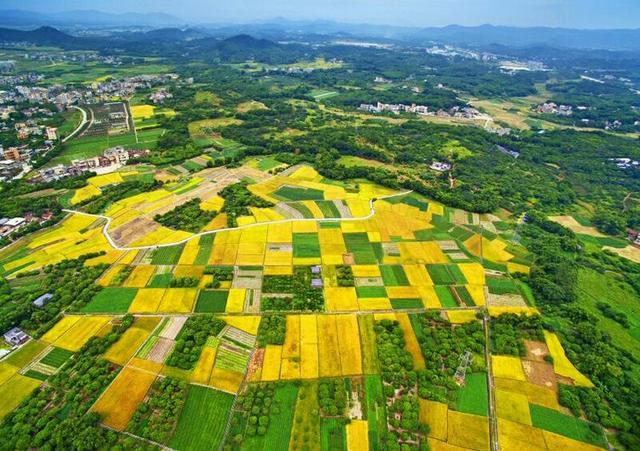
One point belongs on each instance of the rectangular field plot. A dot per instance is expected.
(363, 251)
(281, 420)
(111, 300)
(212, 301)
(333, 435)
(133, 338)
(298, 193)
(56, 357)
(473, 397)
(119, 402)
(71, 333)
(14, 390)
(408, 303)
(394, 276)
(167, 255)
(569, 426)
(203, 419)
(445, 296)
(446, 275)
(306, 245)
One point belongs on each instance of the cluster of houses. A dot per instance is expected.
(111, 160)
(554, 108)
(10, 225)
(397, 108)
(625, 163)
(97, 92)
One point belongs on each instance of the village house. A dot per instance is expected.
(15, 336)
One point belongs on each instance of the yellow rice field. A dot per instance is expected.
(357, 435)
(513, 406)
(72, 334)
(134, 337)
(507, 367)
(435, 415)
(561, 364)
(118, 403)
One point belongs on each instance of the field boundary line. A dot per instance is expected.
(159, 445)
(105, 228)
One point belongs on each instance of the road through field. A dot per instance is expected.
(105, 228)
(79, 127)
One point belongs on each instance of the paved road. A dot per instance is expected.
(105, 228)
(79, 127)
(493, 420)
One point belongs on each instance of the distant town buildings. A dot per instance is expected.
(625, 163)
(111, 160)
(440, 166)
(553, 108)
(457, 112)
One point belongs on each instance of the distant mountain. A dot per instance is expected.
(40, 36)
(485, 35)
(480, 36)
(20, 18)
(163, 35)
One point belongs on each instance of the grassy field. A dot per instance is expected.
(111, 300)
(406, 303)
(91, 146)
(203, 419)
(554, 421)
(297, 193)
(473, 397)
(446, 274)
(594, 287)
(371, 292)
(72, 119)
(160, 281)
(328, 209)
(375, 409)
(332, 434)
(306, 245)
(394, 276)
(502, 286)
(363, 251)
(212, 301)
(204, 249)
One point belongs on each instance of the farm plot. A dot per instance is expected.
(561, 363)
(72, 332)
(203, 419)
(14, 390)
(167, 255)
(128, 344)
(212, 301)
(280, 420)
(56, 357)
(118, 403)
(111, 300)
(566, 425)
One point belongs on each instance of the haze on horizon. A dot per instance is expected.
(421, 13)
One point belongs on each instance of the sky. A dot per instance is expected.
(421, 13)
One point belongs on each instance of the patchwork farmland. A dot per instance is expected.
(314, 316)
